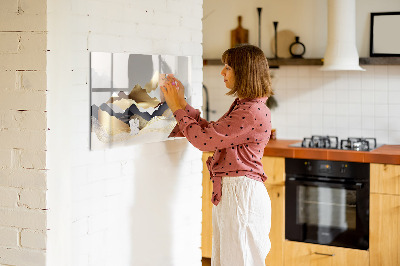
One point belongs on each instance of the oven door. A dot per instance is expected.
(327, 213)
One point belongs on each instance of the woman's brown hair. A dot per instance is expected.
(250, 66)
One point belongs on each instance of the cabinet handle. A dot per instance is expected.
(324, 254)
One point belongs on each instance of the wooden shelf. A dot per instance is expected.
(274, 63)
(380, 61)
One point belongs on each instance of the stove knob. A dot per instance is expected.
(343, 168)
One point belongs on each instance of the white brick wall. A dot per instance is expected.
(134, 205)
(23, 132)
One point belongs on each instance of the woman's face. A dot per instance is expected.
(229, 76)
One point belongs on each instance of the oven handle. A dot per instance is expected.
(357, 185)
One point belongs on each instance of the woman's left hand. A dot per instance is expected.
(170, 90)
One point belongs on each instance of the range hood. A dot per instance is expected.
(341, 51)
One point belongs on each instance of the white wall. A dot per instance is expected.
(311, 102)
(23, 133)
(135, 205)
(305, 18)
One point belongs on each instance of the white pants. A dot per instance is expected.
(241, 223)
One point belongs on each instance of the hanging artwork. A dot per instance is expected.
(127, 105)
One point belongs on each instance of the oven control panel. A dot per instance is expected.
(338, 169)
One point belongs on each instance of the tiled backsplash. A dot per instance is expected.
(314, 102)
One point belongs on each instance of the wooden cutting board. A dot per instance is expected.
(239, 35)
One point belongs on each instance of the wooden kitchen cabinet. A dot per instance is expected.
(277, 233)
(385, 178)
(305, 254)
(206, 225)
(384, 215)
(274, 168)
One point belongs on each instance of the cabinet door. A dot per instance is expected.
(274, 168)
(206, 232)
(385, 178)
(384, 230)
(277, 233)
(304, 254)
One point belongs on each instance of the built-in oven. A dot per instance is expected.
(327, 202)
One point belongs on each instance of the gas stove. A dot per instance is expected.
(332, 142)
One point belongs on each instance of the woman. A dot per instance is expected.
(242, 208)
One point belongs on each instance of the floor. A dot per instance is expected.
(206, 261)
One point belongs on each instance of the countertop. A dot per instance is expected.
(389, 154)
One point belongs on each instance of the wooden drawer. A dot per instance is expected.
(384, 236)
(304, 254)
(274, 168)
(385, 178)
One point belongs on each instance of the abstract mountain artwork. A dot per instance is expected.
(127, 105)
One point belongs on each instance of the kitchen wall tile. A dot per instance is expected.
(317, 121)
(367, 96)
(316, 82)
(394, 71)
(329, 109)
(394, 137)
(292, 82)
(342, 122)
(380, 71)
(329, 122)
(381, 97)
(382, 110)
(342, 133)
(303, 82)
(367, 133)
(315, 72)
(367, 110)
(394, 123)
(394, 110)
(342, 80)
(328, 74)
(317, 131)
(381, 123)
(355, 96)
(365, 99)
(368, 122)
(355, 109)
(367, 82)
(317, 108)
(381, 84)
(304, 72)
(317, 95)
(355, 132)
(355, 122)
(291, 71)
(394, 82)
(354, 80)
(342, 96)
(329, 93)
(381, 136)
(342, 109)
(394, 97)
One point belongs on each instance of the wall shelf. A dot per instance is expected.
(274, 63)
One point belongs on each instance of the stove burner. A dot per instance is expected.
(332, 142)
(358, 144)
(328, 142)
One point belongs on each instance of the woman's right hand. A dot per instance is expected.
(181, 91)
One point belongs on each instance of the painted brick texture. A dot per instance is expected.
(23, 126)
(134, 205)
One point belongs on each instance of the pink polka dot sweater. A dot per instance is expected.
(238, 139)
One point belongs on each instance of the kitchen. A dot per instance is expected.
(316, 103)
